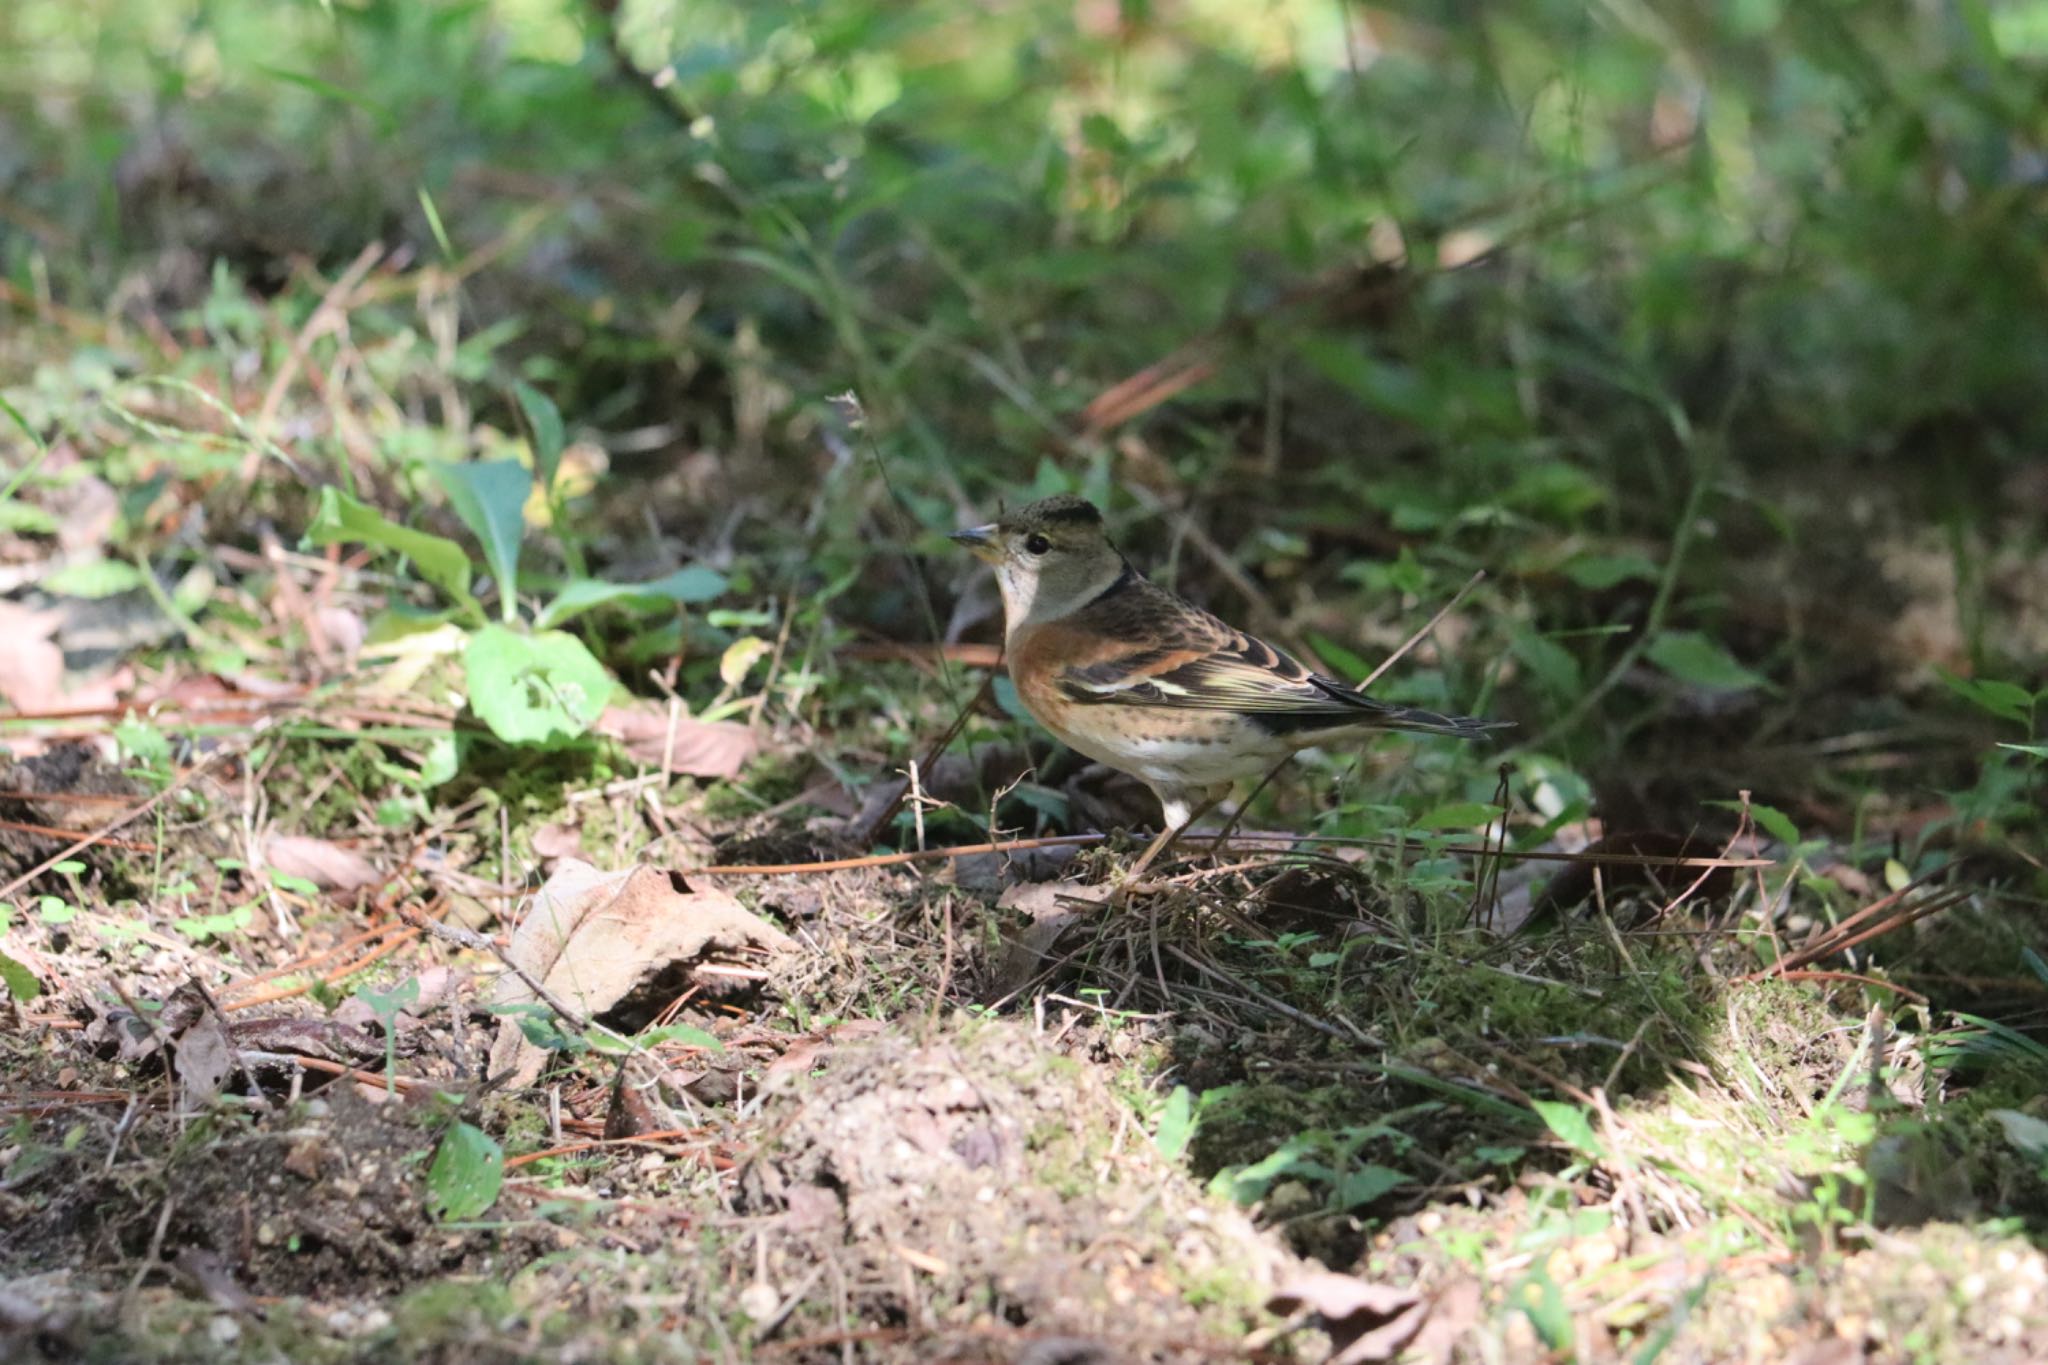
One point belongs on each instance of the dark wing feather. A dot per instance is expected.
(1183, 658)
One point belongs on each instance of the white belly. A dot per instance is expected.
(1232, 749)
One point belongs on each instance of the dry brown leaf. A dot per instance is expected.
(327, 865)
(87, 511)
(31, 667)
(557, 840)
(204, 1058)
(1052, 908)
(1367, 1323)
(592, 938)
(700, 748)
(1454, 1310)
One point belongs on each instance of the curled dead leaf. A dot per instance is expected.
(592, 938)
(1367, 1323)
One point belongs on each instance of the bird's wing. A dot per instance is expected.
(1155, 650)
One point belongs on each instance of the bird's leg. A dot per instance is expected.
(1188, 814)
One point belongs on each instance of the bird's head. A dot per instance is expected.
(1050, 557)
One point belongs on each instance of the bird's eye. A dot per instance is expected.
(1038, 545)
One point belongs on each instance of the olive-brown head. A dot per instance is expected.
(1050, 557)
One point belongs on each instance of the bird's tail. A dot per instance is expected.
(1382, 715)
(1388, 717)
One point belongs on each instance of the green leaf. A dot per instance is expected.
(1774, 822)
(542, 689)
(1769, 819)
(21, 982)
(1692, 658)
(490, 497)
(537, 1024)
(693, 584)
(1539, 1297)
(2007, 701)
(143, 742)
(305, 80)
(439, 560)
(1604, 571)
(1176, 1124)
(1459, 815)
(1556, 667)
(2037, 750)
(1570, 1125)
(94, 578)
(200, 928)
(2027, 1134)
(1366, 1184)
(388, 1005)
(545, 421)
(681, 1033)
(468, 1172)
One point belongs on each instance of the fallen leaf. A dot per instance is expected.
(1367, 1323)
(1454, 1309)
(87, 511)
(555, 840)
(1051, 908)
(334, 1040)
(592, 938)
(204, 1058)
(32, 667)
(327, 865)
(700, 748)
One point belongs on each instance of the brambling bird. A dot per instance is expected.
(1127, 673)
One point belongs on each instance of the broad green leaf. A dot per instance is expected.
(540, 689)
(1769, 819)
(689, 1034)
(1604, 571)
(440, 560)
(2007, 701)
(693, 584)
(305, 80)
(537, 1023)
(490, 497)
(1364, 1185)
(1459, 815)
(1556, 667)
(1774, 822)
(1692, 658)
(1570, 1124)
(20, 981)
(1539, 1297)
(2027, 1134)
(545, 420)
(1176, 1124)
(94, 578)
(468, 1172)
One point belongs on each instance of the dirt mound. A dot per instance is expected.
(327, 1200)
(998, 1201)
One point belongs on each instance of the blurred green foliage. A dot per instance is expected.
(1605, 297)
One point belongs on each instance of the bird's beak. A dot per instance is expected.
(981, 540)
